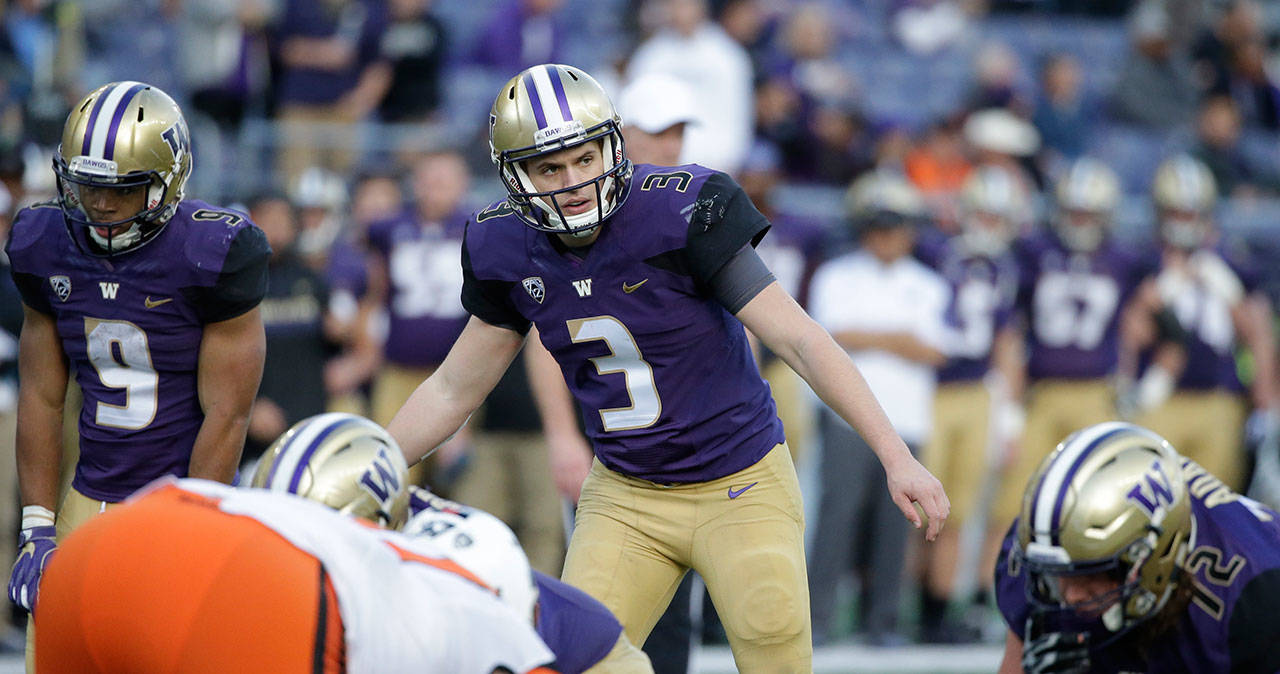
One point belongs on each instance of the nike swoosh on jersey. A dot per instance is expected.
(737, 493)
(628, 289)
(151, 304)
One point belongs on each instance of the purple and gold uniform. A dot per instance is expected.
(691, 469)
(1233, 566)
(983, 293)
(1205, 414)
(131, 328)
(663, 374)
(1072, 304)
(424, 313)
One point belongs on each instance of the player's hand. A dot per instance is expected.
(1056, 653)
(36, 544)
(570, 457)
(911, 483)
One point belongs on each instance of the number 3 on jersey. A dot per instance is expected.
(133, 372)
(625, 358)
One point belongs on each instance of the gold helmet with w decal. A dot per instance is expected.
(344, 461)
(122, 167)
(545, 109)
(1111, 499)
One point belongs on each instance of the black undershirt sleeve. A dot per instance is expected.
(741, 278)
(723, 220)
(1253, 635)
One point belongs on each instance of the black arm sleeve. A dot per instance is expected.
(1254, 632)
(723, 220)
(242, 283)
(29, 286)
(741, 278)
(490, 301)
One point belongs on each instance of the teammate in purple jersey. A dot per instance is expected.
(640, 280)
(1207, 292)
(1128, 557)
(151, 301)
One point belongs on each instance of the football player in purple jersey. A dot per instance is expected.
(1207, 292)
(150, 301)
(1128, 557)
(640, 280)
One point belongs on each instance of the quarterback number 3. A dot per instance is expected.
(624, 357)
(132, 372)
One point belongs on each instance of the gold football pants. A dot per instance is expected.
(744, 533)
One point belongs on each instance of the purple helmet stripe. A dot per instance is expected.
(538, 115)
(561, 98)
(93, 119)
(115, 119)
(306, 456)
(1061, 496)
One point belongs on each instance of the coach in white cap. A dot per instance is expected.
(655, 109)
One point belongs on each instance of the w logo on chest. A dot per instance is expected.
(109, 289)
(583, 287)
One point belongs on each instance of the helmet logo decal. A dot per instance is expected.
(1154, 492)
(534, 286)
(384, 483)
(563, 133)
(61, 286)
(93, 166)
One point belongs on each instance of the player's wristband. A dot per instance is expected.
(36, 516)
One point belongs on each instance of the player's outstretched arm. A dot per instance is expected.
(232, 353)
(42, 390)
(442, 403)
(787, 330)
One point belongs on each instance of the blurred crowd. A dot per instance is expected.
(354, 133)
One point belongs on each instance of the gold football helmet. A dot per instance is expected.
(1184, 193)
(344, 461)
(993, 203)
(883, 197)
(1111, 499)
(121, 167)
(545, 109)
(1086, 196)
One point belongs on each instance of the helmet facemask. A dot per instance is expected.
(541, 210)
(110, 237)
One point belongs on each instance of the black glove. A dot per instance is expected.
(1056, 653)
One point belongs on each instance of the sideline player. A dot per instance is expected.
(191, 575)
(634, 276)
(149, 299)
(1130, 557)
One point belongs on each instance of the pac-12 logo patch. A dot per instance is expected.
(534, 286)
(61, 286)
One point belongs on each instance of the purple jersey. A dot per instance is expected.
(1211, 337)
(1072, 302)
(663, 374)
(131, 327)
(1234, 561)
(579, 630)
(984, 291)
(425, 284)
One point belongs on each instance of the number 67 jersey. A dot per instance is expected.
(131, 328)
(662, 372)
